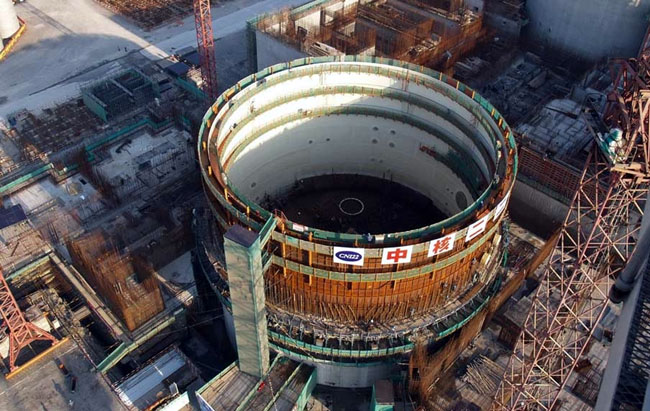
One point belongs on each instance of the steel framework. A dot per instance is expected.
(205, 42)
(598, 237)
(21, 332)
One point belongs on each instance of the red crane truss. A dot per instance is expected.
(597, 239)
(21, 332)
(205, 41)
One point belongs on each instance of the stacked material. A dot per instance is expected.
(483, 375)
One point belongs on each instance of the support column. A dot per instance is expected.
(246, 280)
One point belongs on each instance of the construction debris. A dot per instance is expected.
(483, 375)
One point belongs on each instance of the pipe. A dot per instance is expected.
(9, 24)
(625, 281)
(612, 373)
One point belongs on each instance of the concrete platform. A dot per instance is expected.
(44, 387)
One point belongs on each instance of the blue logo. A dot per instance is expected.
(349, 256)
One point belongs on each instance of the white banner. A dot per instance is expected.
(477, 228)
(501, 206)
(397, 255)
(350, 256)
(442, 245)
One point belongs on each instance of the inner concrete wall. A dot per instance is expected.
(269, 94)
(307, 104)
(590, 29)
(475, 5)
(348, 145)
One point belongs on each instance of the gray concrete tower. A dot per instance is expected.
(245, 277)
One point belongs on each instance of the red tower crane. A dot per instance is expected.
(597, 240)
(21, 332)
(205, 42)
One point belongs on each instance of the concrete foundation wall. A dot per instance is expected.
(505, 25)
(475, 5)
(351, 376)
(310, 22)
(229, 322)
(535, 210)
(590, 29)
(271, 51)
(332, 374)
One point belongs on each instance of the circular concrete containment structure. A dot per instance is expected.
(388, 183)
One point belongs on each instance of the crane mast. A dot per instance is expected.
(205, 42)
(21, 332)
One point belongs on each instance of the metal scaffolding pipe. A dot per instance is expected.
(9, 24)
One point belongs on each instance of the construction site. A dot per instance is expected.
(330, 205)
(434, 34)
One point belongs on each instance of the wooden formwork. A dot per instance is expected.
(353, 301)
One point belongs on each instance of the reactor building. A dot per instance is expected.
(374, 191)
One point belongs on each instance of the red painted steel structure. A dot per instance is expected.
(21, 332)
(597, 239)
(205, 41)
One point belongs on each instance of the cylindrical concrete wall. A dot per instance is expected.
(333, 374)
(8, 20)
(589, 29)
(383, 119)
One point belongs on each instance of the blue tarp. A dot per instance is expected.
(12, 215)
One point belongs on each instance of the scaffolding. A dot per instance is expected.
(56, 129)
(598, 239)
(127, 283)
(433, 33)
